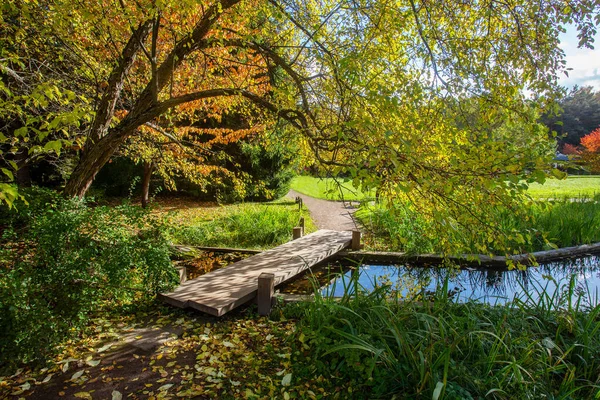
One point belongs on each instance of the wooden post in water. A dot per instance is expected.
(266, 289)
(355, 240)
(296, 233)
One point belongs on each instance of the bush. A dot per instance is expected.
(257, 174)
(559, 223)
(69, 263)
(397, 228)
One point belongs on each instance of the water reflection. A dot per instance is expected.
(553, 282)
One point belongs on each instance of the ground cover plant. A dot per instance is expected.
(245, 225)
(63, 261)
(574, 186)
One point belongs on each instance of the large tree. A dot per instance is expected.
(403, 95)
(579, 114)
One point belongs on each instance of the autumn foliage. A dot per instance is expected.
(591, 154)
(569, 149)
(591, 141)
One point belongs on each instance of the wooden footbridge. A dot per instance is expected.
(221, 291)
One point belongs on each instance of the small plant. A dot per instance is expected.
(559, 223)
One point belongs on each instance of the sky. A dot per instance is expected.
(585, 62)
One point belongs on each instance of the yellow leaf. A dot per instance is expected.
(83, 395)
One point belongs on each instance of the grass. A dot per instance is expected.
(561, 223)
(246, 225)
(574, 186)
(438, 349)
(329, 188)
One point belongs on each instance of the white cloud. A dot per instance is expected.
(585, 63)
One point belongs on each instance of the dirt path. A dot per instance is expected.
(335, 215)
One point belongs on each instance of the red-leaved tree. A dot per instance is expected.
(591, 153)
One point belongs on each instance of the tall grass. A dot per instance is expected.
(559, 223)
(247, 225)
(438, 349)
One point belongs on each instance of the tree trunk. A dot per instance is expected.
(103, 142)
(91, 162)
(23, 175)
(146, 183)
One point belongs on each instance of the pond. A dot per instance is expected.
(548, 283)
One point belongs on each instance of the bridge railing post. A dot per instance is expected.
(355, 240)
(296, 233)
(266, 289)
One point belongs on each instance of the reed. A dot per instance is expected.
(435, 348)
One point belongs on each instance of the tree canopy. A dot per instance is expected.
(422, 99)
(579, 115)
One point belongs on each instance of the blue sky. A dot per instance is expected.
(585, 62)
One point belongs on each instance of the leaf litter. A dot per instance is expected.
(242, 356)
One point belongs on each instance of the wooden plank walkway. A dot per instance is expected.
(223, 290)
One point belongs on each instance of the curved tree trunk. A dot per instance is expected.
(91, 162)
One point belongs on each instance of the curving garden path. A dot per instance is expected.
(326, 214)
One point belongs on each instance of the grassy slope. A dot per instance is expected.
(328, 188)
(246, 225)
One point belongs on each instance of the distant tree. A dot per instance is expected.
(590, 156)
(580, 115)
(569, 149)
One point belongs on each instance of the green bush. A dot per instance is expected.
(258, 174)
(559, 223)
(71, 262)
(397, 228)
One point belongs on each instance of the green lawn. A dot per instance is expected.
(331, 189)
(328, 188)
(574, 186)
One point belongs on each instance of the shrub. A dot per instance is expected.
(70, 262)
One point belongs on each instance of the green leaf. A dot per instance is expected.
(287, 380)
(8, 173)
(22, 131)
(438, 391)
(55, 145)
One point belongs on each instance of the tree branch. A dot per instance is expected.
(106, 108)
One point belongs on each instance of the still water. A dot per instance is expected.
(559, 281)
